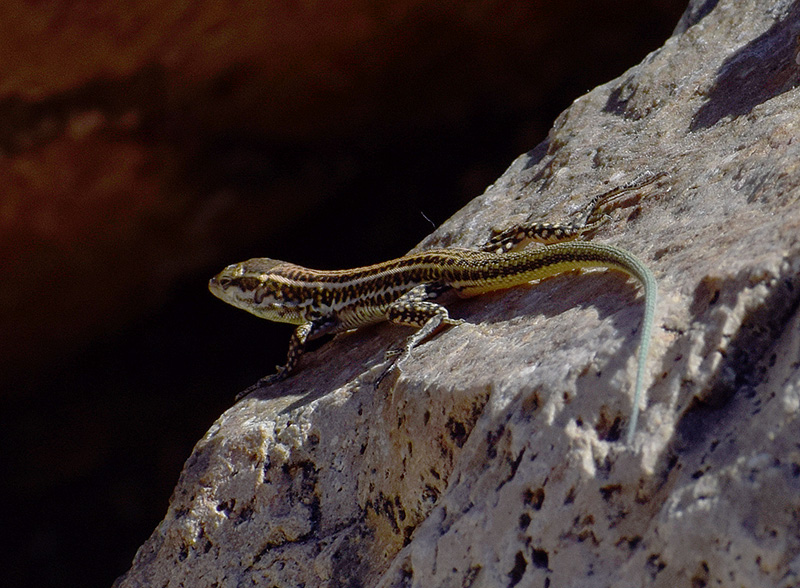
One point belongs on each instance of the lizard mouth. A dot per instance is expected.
(276, 312)
(218, 286)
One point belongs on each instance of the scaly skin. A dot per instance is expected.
(402, 291)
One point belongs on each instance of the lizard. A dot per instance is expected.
(403, 290)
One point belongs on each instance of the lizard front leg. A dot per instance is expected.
(416, 309)
(297, 346)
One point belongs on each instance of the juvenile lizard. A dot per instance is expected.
(403, 290)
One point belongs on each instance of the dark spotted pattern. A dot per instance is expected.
(363, 295)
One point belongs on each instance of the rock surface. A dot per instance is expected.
(495, 458)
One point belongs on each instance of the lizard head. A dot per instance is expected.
(260, 286)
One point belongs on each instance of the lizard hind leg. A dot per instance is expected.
(594, 215)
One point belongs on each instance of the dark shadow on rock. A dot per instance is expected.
(537, 154)
(759, 71)
(746, 359)
(693, 14)
(619, 97)
(341, 360)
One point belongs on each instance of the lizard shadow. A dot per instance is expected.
(332, 363)
(609, 292)
(350, 357)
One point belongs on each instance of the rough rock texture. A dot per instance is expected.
(495, 458)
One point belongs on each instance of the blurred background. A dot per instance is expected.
(145, 145)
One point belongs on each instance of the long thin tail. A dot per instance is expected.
(645, 276)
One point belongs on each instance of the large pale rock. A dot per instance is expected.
(495, 458)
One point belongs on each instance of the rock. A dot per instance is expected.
(496, 457)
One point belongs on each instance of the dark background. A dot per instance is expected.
(144, 147)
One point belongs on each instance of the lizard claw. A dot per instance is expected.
(392, 353)
(281, 374)
(393, 363)
(388, 370)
